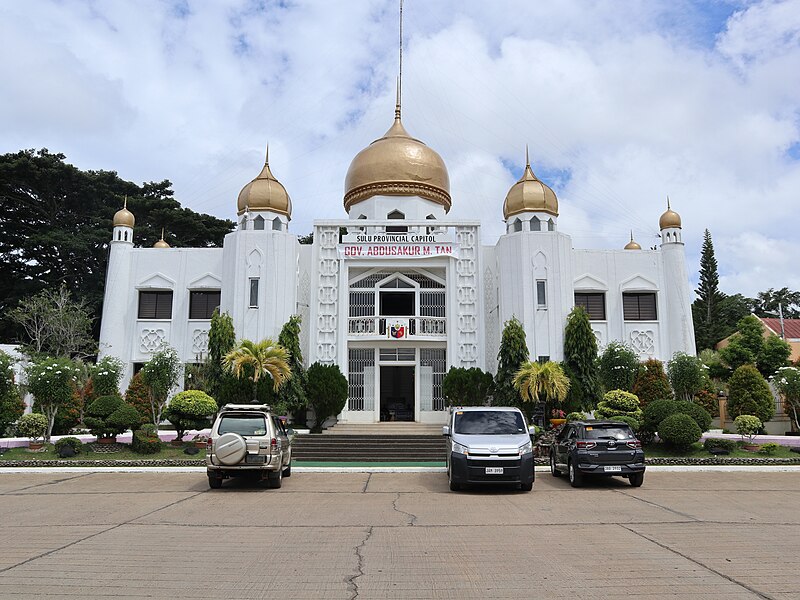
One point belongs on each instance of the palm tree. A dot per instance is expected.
(541, 381)
(261, 358)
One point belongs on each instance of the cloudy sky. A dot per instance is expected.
(621, 102)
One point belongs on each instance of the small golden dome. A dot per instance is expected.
(397, 165)
(123, 217)
(529, 194)
(265, 193)
(161, 243)
(669, 219)
(632, 245)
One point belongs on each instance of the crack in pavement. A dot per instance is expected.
(366, 483)
(352, 585)
(412, 518)
(666, 508)
(12, 492)
(90, 536)
(698, 563)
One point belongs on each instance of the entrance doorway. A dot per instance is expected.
(397, 393)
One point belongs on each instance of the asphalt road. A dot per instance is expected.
(388, 535)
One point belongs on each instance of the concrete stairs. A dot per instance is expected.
(378, 442)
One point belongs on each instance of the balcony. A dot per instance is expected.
(398, 327)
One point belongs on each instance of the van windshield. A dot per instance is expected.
(489, 422)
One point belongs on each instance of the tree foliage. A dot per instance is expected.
(159, 375)
(787, 382)
(772, 303)
(580, 359)
(259, 360)
(32, 426)
(545, 382)
(749, 346)
(513, 353)
(138, 396)
(618, 367)
(291, 397)
(327, 392)
(686, 375)
(190, 409)
(651, 383)
(709, 326)
(55, 226)
(54, 324)
(467, 387)
(619, 403)
(51, 381)
(108, 416)
(749, 394)
(11, 403)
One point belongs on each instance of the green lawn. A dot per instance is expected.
(697, 451)
(167, 453)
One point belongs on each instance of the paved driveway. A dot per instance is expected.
(386, 535)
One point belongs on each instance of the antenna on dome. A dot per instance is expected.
(266, 157)
(400, 71)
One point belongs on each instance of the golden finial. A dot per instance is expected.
(125, 202)
(397, 103)
(527, 159)
(266, 158)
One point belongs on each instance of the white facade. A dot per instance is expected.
(397, 293)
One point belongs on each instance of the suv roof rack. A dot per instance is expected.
(262, 407)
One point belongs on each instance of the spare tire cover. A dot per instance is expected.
(230, 448)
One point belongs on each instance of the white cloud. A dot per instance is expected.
(627, 102)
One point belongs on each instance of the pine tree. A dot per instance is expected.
(708, 325)
(580, 361)
(291, 397)
(513, 353)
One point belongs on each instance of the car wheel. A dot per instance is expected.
(526, 487)
(553, 471)
(636, 479)
(214, 482)
(575, 476)
(454, 485)
(276, 479)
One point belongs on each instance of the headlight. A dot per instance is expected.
(526, 448)
(459, 449)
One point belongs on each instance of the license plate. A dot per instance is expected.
(255, 459)
(612, 469)
(494, 470)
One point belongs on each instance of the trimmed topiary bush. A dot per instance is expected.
(657, 411)
(146, 441)
(108, 416)
(576, 416)
(747, 426)
(679, 431)
(191, 409)
(720, 443)
(749, 394)
(69, 442)
(632, 423)
(32, 426)
(619, 405)
(697, 412)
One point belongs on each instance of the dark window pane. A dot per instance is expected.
(593, 303)
(639, 306)
(541, 294)
(202, 304)
(155, 305)
(254, 292)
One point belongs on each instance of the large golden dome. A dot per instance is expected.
(397, 165)
(669, 219)
(529, 194)
(123, 217)
(265, 193)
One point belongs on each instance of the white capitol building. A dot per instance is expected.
(396, 293)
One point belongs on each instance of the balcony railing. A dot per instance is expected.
(417, 327)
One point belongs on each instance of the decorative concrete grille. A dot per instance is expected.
(361, 379)
(432, 304)
(397, 354)
(362, 304)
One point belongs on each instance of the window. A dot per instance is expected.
(543, 359)
(640, 306)
(594, 303)
(536, 224)
(244, 224)
(396, 214)
(276, 224)
(155, 305)
(254, 292)
(202, 304)
(258, 223)
(541, 293)
(517, 226)
(551, 225)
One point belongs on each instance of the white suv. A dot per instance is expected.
(247, 439)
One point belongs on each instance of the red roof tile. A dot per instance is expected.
(790, 326)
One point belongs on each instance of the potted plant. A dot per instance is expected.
(34, 427)
(748, 427)
(200, 441)
(557, 417)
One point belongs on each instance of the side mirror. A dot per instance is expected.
(532, 430)
(446, 430)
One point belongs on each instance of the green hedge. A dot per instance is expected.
(722, 444)
(679, 431)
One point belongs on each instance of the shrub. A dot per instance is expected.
(698, 413)
(576, 416)
(137, 396)
(327, 392)
(679, 431)
(686, 375)
(32, 426)
(749, 394)
(657, 411)
(72, 442)
(617, 404)
(146, 441)
(190, 410)
(769, 448)
(651, 383)
(709, 400)
(632, 423)
(467, 387)
(109, 416)
(747, 426)
(723, 444)
(618, 366)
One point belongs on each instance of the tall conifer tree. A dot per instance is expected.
(708, 323)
